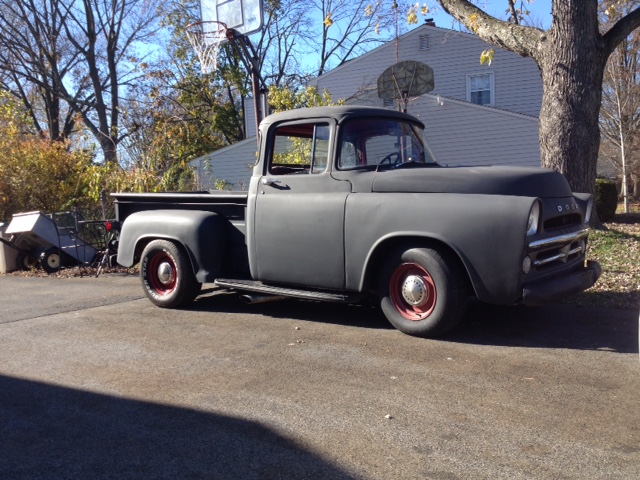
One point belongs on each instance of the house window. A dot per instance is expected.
(480, 88)
(424, 42)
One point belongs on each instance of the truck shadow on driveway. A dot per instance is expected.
(56, 432)
(549, 326)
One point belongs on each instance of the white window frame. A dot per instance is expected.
(491, 87)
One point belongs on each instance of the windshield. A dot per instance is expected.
(382, 142)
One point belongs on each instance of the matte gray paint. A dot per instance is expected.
(202, 234)
(325, 230)
(491, 247)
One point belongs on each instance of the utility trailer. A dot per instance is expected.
(49, 241)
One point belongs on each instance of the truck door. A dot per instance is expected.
(299, 209)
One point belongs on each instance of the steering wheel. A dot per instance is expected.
(388, 158)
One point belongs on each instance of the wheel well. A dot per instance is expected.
(143, 242)
(383, 250)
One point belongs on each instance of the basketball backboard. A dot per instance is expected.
(243, 16)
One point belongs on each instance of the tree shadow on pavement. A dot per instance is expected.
(54, 432)
(550, 326)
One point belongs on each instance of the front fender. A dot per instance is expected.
(486, 232)
(202, 234)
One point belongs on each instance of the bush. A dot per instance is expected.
(606, 199)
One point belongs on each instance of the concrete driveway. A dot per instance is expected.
(97, 383)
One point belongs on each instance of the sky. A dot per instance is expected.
(540, 12)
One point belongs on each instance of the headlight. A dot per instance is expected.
(534, 217)
(587, 215)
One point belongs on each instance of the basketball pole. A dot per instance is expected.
(247, 53)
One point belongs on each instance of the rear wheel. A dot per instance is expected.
(422, 292)
(166, 274)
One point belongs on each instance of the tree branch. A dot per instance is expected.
(517, 38)
(621, 30)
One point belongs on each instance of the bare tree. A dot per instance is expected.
(620, 112)
(35, 58)
(571, 56)
(79, 56)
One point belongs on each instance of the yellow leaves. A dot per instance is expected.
(368, 11)
(327, 21)
(412, 15)
(473, 22)
(487, 56)
(282, 99)
(611, 10)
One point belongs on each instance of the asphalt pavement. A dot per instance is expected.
(97, 383)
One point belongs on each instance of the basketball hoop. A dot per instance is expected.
(206, 38)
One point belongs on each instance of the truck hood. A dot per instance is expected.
(519, 181)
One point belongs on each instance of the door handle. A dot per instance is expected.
(270, 181)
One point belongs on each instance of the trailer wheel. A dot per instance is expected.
(26, 262)
(50, 260)
(166, 275)
(422, 292)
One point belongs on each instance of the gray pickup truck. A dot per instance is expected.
(348, 203)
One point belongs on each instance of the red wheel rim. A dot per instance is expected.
(413, 291)
(162, 273)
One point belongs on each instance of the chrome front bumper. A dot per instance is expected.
(551, 289)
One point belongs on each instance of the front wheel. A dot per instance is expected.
(422, 291)
(50, 260)
(166, 275)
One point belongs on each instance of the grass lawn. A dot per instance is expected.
(618, 251)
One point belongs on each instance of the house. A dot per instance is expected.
(475, 115)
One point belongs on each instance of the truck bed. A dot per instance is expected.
(230, 205)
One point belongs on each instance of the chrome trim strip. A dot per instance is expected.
(538, 263)
(569, 237)
(560, 256)
(574, 251)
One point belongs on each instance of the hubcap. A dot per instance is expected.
(414, 291)
(166, 274)
(53, 261)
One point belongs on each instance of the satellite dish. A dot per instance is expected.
(405, 79)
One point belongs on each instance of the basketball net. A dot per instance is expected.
(206, 38)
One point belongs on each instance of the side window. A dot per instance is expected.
(300, 149)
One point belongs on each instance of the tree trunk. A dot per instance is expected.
(571, 59)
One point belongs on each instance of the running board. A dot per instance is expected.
(254, 286)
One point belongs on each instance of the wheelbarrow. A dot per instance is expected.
(40, 240)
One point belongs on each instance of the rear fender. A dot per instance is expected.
(203, 235)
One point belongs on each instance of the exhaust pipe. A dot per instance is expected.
(251, 299)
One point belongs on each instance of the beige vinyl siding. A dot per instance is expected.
(463, 134)
(452, 55)
(233, 164)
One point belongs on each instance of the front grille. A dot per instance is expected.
(562, 221)
(557, 256)
(560, 249)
